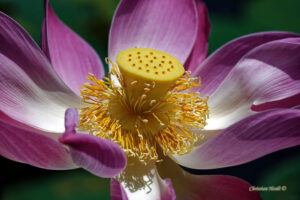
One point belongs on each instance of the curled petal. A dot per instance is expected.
(282, 103)
(247, 140)
(199, 50)
(218, 65)
(33, 148)
(213, 187)
(268, 73)
(101, 157)
(168, 25)
(71, 57)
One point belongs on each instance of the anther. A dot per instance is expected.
(153, 84)
(153, 101)
(145, 121)
(143, 96)
(133, 82)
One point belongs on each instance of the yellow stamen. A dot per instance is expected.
(151, 107)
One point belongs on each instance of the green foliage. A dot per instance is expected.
(256, 16)
(283, 174)
(73, 185)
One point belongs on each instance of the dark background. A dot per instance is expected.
(91, 19)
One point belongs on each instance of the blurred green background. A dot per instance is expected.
(91, 19)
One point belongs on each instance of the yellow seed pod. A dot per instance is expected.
(143, 69)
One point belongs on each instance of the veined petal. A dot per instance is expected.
(33, 148)
(247, 140)
(31, 92)
(282, 103)
(213, 187)
(199, 50)
(168, 26)
(18, 46)
(101, 157)
(141, 181)
(117, 192)
(268, 73)
(218, 65)
(31, 104)
(71, 57)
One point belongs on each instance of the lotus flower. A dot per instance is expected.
(52, 117)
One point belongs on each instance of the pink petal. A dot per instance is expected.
(170, 192)
(140, 181)
(247, 140)
(168, 25)
(217, 66)
(31, 104)
(32, 148)
(199, 50)
(282, 103)
(212, 187)
(71, 57)
(117, 192)
(101, 157)
(18, 46)
(215, 187)
(268, 73)
(31, 92)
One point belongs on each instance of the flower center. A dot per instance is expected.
(151, 107)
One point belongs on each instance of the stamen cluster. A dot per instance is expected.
(141, 125)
